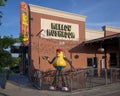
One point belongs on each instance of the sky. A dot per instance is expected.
(98, 13)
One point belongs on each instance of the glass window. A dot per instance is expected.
(113, 59)
(89, 62)
(92, 62)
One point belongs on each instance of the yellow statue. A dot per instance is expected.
(59, 62)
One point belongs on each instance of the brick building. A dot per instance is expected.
(50, 29)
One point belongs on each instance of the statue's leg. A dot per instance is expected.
(64, 82)
(54, 85)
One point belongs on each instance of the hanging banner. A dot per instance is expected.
(24, 24)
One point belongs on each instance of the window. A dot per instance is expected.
(89, 62)
(92, 62)
(113, 59)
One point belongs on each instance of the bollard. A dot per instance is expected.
(106, 77)
(39, 79)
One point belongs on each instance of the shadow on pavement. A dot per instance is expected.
(2, 94)
(20, 80)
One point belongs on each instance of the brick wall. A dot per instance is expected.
(48, 46)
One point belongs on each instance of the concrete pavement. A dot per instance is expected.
(113, 94)
(19, 85)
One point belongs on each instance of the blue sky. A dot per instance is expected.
(98, 13)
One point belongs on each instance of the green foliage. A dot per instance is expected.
(21, 38)
(1, 15)
(2, 2)
(6, 42)
(15, 61)
(6, 58)
(15, 64)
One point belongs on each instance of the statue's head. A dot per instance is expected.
(59, 52)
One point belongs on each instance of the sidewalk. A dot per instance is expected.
(18, 85)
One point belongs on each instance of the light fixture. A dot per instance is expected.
(101, 49)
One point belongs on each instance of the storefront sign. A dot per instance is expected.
(59, 30)
(24, 24)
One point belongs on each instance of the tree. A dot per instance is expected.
(6, 42)
(2, 3)
(6, 58)
(15, 64)
(1, 14)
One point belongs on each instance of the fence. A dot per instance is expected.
(80, 79)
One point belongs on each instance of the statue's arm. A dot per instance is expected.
(46, 58)
(70, 63)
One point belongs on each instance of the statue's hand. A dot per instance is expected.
(46, 58)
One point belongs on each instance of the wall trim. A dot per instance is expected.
(48, 11)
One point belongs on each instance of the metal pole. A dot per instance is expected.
(39, 81)
(38, 34)
(106, 77)
(111, 76)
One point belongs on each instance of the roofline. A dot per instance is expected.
(111, 28)
(102, 38)
(58, 13)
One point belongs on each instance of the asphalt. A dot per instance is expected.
(19, 85)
